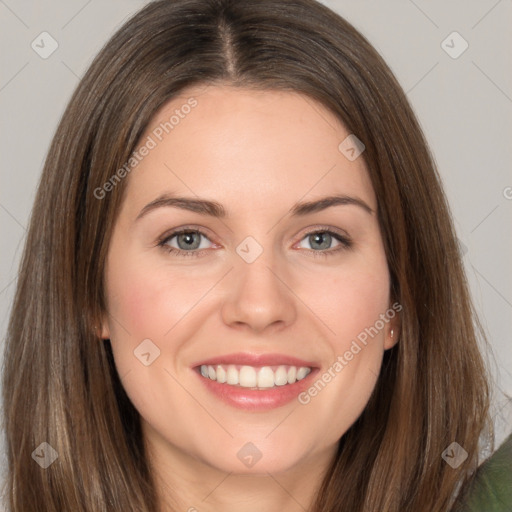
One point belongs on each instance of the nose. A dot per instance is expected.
(258, 297)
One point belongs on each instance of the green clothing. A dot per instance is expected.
(491, 489)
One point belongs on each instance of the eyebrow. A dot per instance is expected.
(215, 209)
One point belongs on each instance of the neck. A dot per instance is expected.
(185, 483)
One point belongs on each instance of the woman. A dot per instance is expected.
(241, 286)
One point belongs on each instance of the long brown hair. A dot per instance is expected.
(60, 385)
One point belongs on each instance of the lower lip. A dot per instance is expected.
(254, 399)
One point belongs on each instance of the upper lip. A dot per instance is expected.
(247, 359)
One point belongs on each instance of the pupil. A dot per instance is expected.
(323, 239)
(188, 239)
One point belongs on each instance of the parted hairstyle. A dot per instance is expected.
(60, 384)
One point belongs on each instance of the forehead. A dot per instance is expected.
(257, 147)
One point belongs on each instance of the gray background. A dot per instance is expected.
(464, 105)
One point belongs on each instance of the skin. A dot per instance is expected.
(257, 153)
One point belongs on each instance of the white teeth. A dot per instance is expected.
(251, 377)
(281, 376)
(221, 374)
(266, 377)
(248, 377)
(232, 375)
(302, 372)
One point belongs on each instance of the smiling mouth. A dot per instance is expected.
(254, 377)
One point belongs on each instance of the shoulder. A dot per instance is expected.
(491, 488)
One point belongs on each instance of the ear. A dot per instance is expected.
(393, 326)
(101, 328)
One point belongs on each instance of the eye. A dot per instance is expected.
(185, 242)
(194, 243)
(321, 242)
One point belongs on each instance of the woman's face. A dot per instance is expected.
(280, 296)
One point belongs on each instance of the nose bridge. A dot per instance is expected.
(255, 268)
(256, 294)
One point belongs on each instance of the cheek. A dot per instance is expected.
(353, 306)
(146, 301)
(149, 300)
(359, 306)
(350, 299)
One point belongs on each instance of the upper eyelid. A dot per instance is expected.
(321, 228)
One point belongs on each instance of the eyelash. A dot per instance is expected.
(345, 243)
